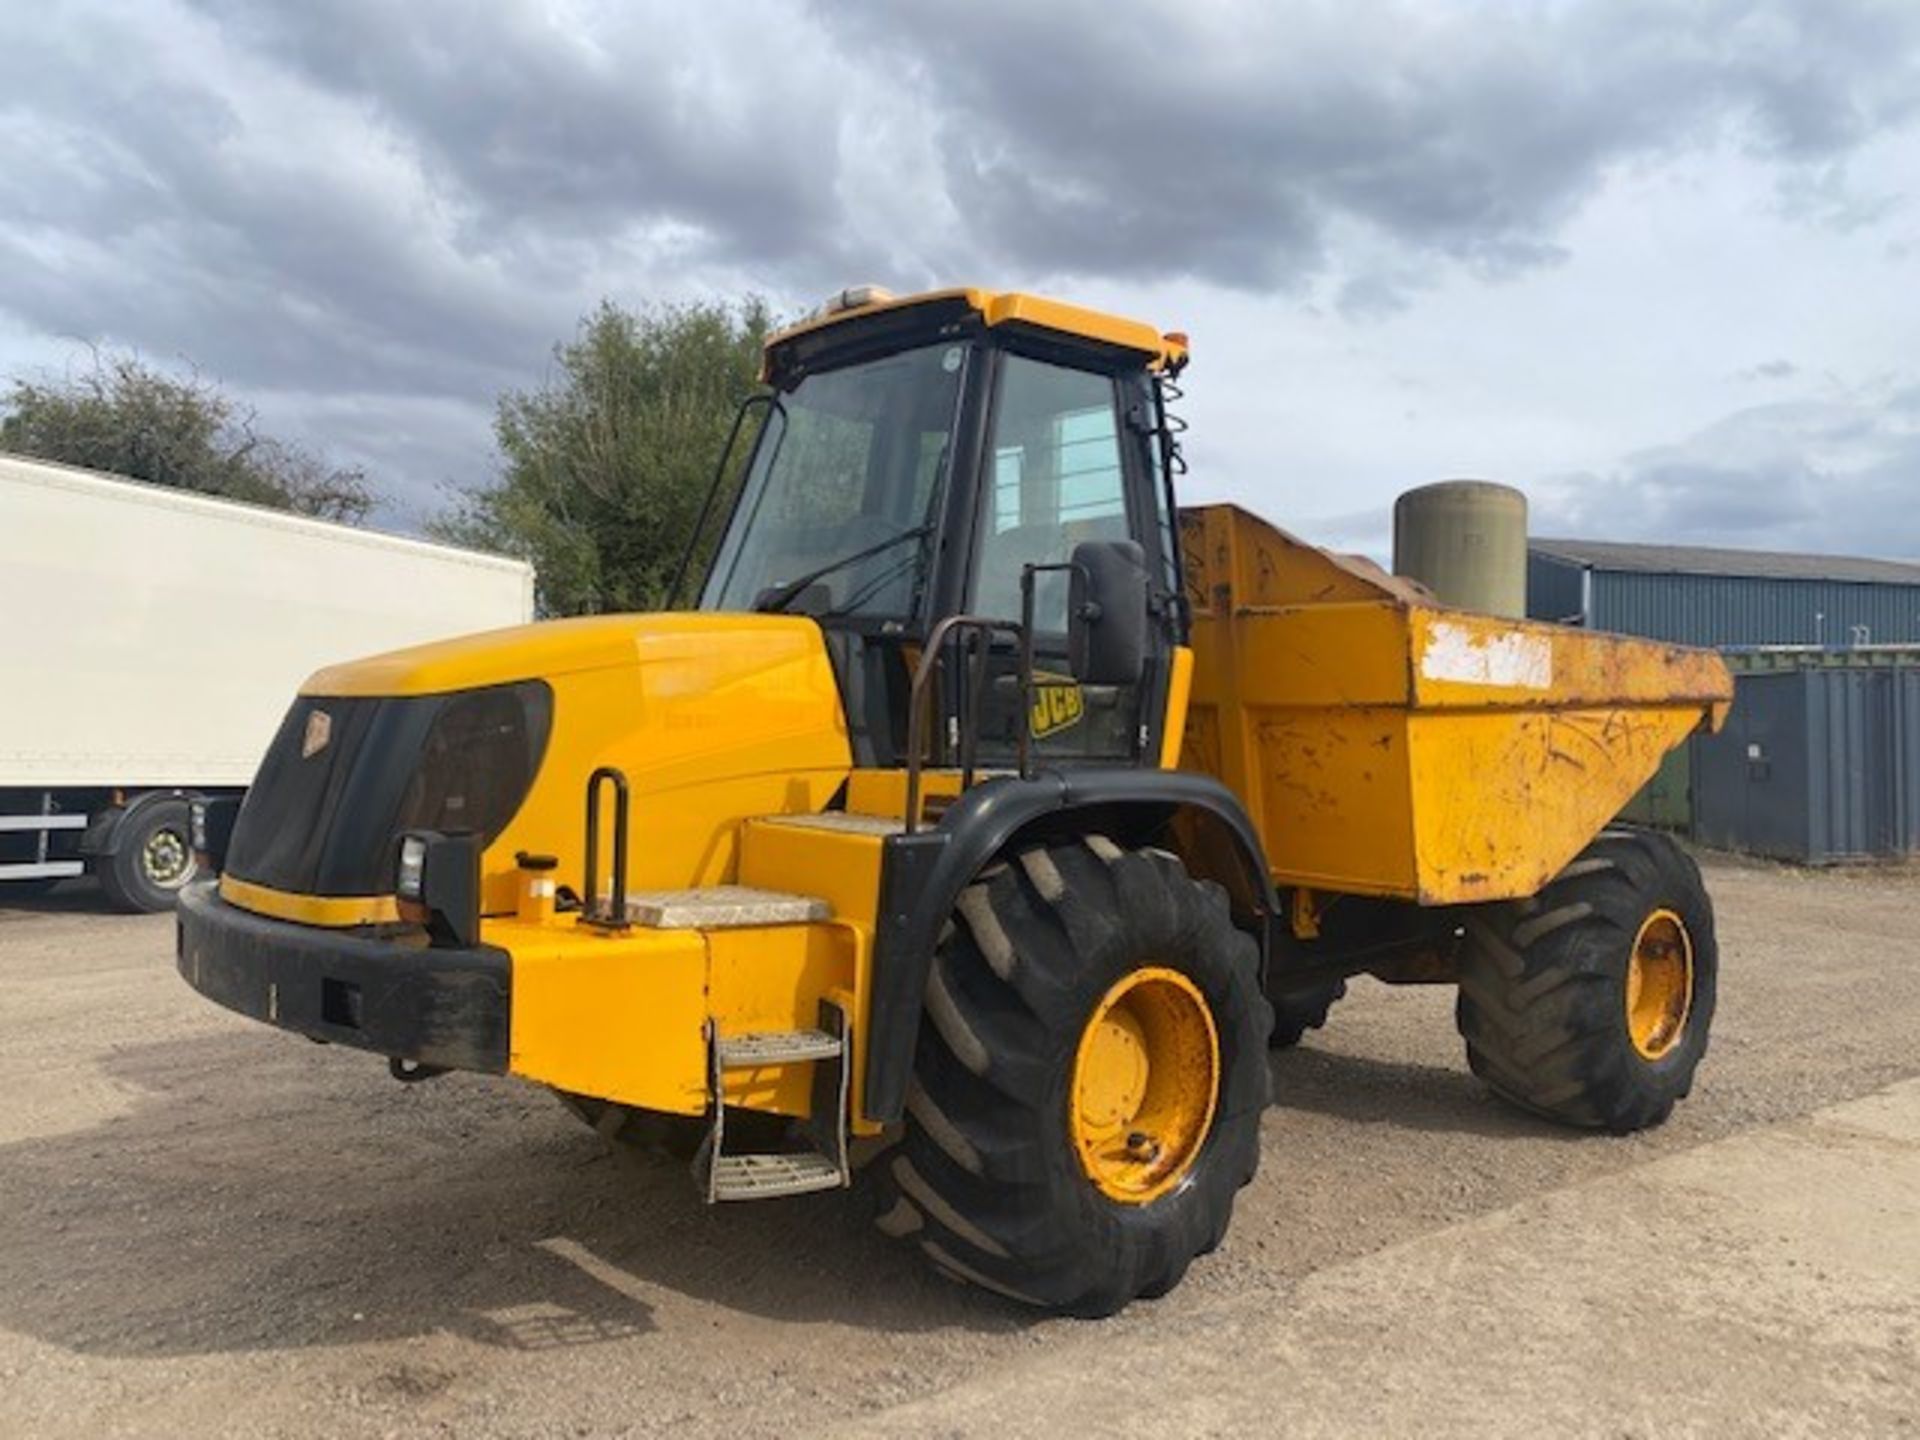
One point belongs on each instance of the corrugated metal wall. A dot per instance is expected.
(1725, 609)
(1737, 610)
(1815, 765)
(1553, 588)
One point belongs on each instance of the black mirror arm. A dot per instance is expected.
(1027, 572)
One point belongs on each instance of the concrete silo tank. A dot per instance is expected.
(1465, 540)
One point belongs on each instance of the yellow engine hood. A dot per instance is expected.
(550, 648)
(712, 718)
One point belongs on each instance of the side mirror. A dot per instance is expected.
(1107, 612)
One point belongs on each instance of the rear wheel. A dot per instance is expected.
(1088, 1082)
(1297, 1011)
(151, 859)
(1590, 1002)
(645, 1131)
(678, 1137)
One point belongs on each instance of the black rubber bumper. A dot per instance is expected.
(442, 1007)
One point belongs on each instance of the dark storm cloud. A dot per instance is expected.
(374, 217)
(136, 207)
(541, 127)
(1220, 142)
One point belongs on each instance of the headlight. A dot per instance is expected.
(437, 882)
(409, 881)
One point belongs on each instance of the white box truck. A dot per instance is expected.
(149, 639)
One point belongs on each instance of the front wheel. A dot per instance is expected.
(1088, 1083)
(1590, 1002)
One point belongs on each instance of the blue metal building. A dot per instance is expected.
(1697, 595)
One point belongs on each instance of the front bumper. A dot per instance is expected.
(398, 997)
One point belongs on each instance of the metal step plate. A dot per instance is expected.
(776, 1047)
(722, 907)
(767, 1177)
(844, 821)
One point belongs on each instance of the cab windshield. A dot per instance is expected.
(843, 485)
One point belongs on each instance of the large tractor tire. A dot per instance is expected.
(1088, 1083)
(1297, 1011)
(1590, 1002)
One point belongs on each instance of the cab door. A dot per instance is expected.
(1061, 466)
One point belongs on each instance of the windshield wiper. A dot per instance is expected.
(781, 596)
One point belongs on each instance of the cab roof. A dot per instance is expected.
(853, 306)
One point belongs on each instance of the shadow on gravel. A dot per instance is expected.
(262, 1193)
(80, 895)
(1405, 1096)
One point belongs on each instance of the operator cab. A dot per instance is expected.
(911, 460)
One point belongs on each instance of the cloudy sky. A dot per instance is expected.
(1656, 263)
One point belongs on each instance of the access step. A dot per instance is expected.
(722, 907)
(845, 822)
(768, 1177)
(776, 1047)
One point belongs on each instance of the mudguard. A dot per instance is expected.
(925, 873)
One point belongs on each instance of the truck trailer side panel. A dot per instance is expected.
(150, 637)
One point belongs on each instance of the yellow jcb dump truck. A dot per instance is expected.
(987, 818)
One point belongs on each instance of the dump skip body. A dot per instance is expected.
(1386, 744)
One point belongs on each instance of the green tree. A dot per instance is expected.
(127, 418)
(604, 467)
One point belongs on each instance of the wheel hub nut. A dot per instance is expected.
(1142, 1146)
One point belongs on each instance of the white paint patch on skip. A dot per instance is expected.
(1512, 658)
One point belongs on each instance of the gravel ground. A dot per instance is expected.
(212, 1228)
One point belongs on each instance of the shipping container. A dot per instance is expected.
(1666, 801)
(1819, 762)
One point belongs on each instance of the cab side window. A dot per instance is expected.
(1055, 481)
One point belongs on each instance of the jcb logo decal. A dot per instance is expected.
(1057, 704)
(319, 730)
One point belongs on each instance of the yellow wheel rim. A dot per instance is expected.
(1659, 984)
(1146, 1078)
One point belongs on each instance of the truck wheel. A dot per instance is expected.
(1297, 1011)
(1088, 1083)
(1590, 1003)
(151, 859)
(678, 1137)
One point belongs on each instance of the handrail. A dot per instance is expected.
(1026, 643)
(616, 914)
(917, 698)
